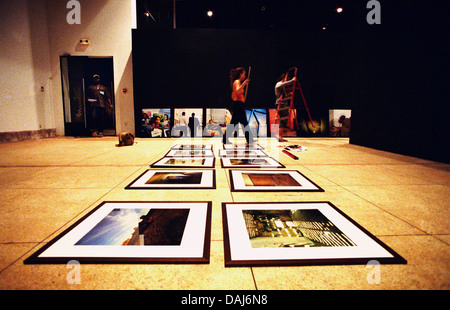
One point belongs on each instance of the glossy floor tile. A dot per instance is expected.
(47, 185)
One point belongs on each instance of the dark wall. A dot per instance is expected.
(393, 76)
(403, 104)
(189, 68)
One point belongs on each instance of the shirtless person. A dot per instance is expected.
(238, 82)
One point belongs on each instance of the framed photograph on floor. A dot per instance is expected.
(242, 146)
(271, 181)
(184, 162)
(297, 233)
(242, 153)
(190, 153)
(245, 162)
(175, 179)
(191, 147)
(135, 232)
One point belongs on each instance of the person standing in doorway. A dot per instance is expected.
(98, 99)
(238, 82)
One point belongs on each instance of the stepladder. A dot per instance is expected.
(286, 109)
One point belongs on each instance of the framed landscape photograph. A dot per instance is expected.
(184, 162)
(190, 153)
(297, 233)
(242, 153)
(175, 179)
(245, 162)
(135, 232)
(271, 180)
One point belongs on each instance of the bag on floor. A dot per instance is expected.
(125, 138)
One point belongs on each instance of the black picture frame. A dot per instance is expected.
(179, 179)
(207, 162)
(194, 247)
(300, 182)
(242, 146)
(186, 146)
(361, 246)
(249, 153)
(230, 162)
(190, 153)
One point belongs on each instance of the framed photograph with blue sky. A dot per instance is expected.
(136, 232)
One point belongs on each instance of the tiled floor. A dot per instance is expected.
(46, 185)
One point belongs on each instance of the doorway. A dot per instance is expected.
(77, 74)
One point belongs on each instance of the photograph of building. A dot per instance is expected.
(292, 228)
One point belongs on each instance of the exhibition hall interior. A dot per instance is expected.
(239, 145)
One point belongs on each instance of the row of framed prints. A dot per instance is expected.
(198, 122)
(255, 234)
(202, 156)
(241, 180)
(212, 122)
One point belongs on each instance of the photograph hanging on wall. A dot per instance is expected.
(257, 121)
(184, 162)
(290, 127)
(242, 153)
(188, 122)
(216, 122)
(246, 162)
(297, 233)
(339, 125)
(271, 180)
(175, 179)
(190, 153)
(156, 123)
(134, 232)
